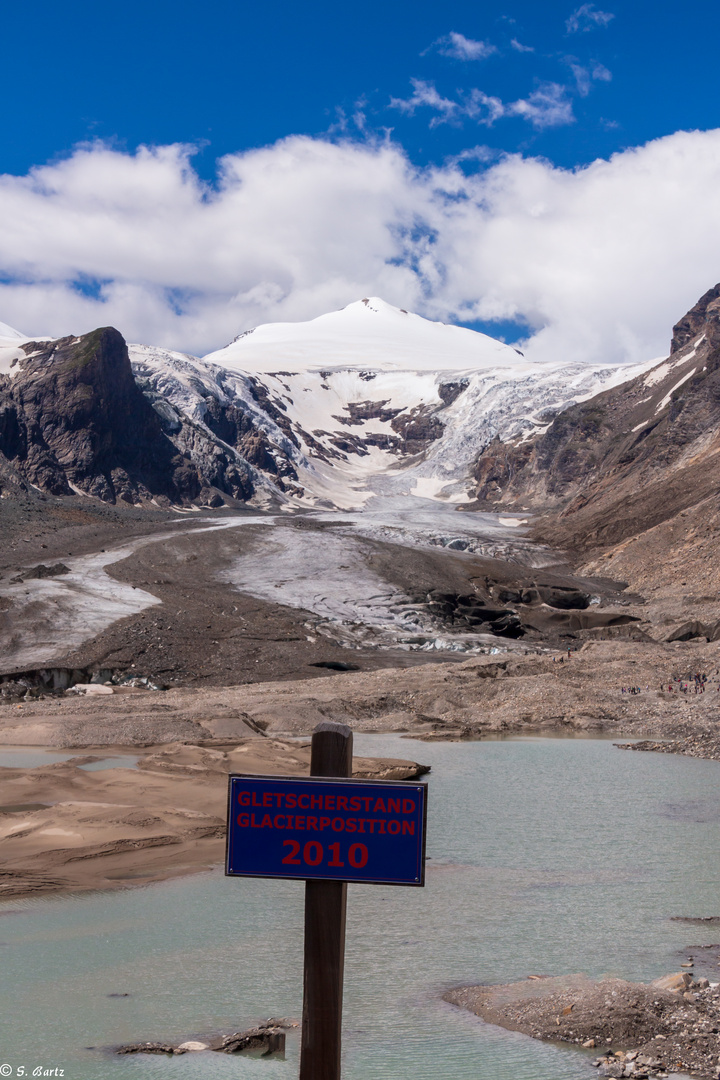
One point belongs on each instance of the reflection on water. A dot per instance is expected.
(547, 856)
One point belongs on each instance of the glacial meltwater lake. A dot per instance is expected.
(547, 856)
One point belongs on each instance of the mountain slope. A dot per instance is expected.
(629, 457)
(368, 401)
(73, 418)
(630, 479)
(377, 401)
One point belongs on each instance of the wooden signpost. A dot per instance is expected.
(326, 830)
(325, 910)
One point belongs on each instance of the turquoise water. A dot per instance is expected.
(546, 856)
(25, 757)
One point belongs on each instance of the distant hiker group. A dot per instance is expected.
(696, 683)
(688, 684)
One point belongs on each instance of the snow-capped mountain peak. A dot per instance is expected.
(7, 333)
(369, 400)
(369, 334)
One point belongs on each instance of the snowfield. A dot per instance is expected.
(368, 334)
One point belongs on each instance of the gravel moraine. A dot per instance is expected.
(643, 1030)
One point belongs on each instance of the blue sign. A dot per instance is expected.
(370, 831)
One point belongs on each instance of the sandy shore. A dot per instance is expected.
(65, 828)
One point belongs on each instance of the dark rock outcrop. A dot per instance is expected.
(74, 417)
(539, 608)
(266, 1039)
(451, 391)
(705, 311)
(418, 428)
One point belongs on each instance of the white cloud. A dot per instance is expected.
(587, 17)
(598, 261)
(601, 73)
(515, 44)
(481, 154)
(582, 79)
(584, 76)
(425, 95)
(483, 108)
(459, 47)
(547, 106)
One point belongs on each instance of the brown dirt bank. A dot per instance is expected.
(702, 744)
(484, 695)
(640, 1030)
(64, 828)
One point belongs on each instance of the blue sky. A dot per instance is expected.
(234, 76)
(451, 89)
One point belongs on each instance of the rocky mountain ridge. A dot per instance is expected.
(352, 419)
(630, 457)
(73, 419)
(627, 482)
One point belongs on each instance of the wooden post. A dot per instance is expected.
(325, 905)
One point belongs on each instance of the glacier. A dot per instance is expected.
(369, 418)
(372, 402)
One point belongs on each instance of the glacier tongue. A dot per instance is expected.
(330, 570)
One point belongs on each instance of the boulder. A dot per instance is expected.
(677, 983)
(92, 689)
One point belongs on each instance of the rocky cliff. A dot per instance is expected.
(625, 460)
(74, 419)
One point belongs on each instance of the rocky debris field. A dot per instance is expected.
(486, 695)
(643, 1030)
